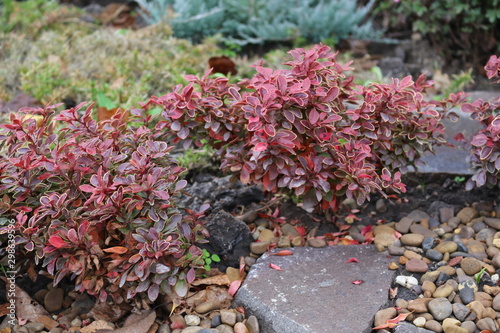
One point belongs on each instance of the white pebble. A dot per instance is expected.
(419, 322)
(406, 281)
(192, 320)
(495, 278)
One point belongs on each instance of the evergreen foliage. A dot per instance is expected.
(243, 22)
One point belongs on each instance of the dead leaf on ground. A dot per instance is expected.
(220, 280)
(26, 307)
(214, 293)
(390, 323)
(4, 310)
(107, 312)
(141, 325)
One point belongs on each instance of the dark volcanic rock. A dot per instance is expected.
(229, 238)
(221, 193)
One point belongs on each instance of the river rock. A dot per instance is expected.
(383, 315)
(416, 266)
(406, 281)
(466, 290)
(467, 214)
(447, 246)
(440, 308)
(433, 255)
(443, 291)
(403, 226)
(492, 222)
(487, 324)
(412, 239)
(451, 325)
(383, 240)
(460, 311)
(53, 300)
(471, 266)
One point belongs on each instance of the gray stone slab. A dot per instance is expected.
(314, 293)
(453, 160)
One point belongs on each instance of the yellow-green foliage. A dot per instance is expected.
(129, 65)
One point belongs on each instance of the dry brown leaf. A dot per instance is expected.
(97, 326)
(213, 293)
(107, 312)
(141, 325)
(31, 269)
(26, 307)
(4, 310)
(219, 280)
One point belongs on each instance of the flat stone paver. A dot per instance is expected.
(314, 293)
(453, 160)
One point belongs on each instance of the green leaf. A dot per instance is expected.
(215, 258)
(104, 101)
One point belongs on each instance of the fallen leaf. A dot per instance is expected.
(233, 288)
(100, 326)
(141, 325)
(357, 282)
(276, 267)
(213, 293)
(301, 230)
(240, 309)
(116, 249)
(107, 312)
(26, 307)
(366, 229)
(222, 65)
(397, 235)
(349, 241)
(220, 280)
(242, 266)
(393, 292)
(4, 310)
(455, 261)
(343, 227)
(282, 253)
(352, 260)
(32, 273)
(393, 322)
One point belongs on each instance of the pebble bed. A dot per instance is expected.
(447, 270)
(447, 265)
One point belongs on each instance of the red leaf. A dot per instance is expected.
(276, 267)
(357, 282)
(301, 230)
(282, 253)
(261, 146)
(352, 260)
(394, 321)
(57, 242)
(348, 241)
(366, 229)
(234, 286)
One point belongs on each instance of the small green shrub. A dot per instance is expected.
(468, 30)
(264, 21)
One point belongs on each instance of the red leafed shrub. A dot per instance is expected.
(485, 144)
(309, 129)
(96, 202)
